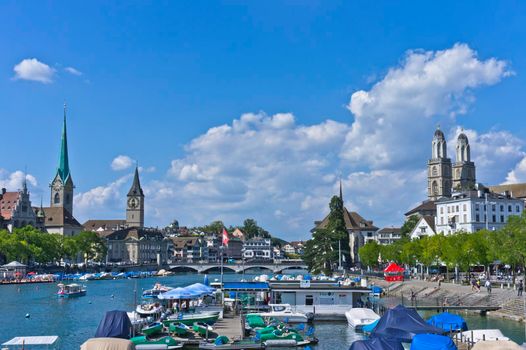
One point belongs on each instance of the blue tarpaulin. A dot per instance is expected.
(377, 344)
(115, 324)
(376, 290)
(432, 342)
(179, 293)
(403, 324)
(448, 322)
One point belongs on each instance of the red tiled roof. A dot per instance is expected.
(8, 203)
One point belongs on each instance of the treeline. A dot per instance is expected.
(462, 250)
(29, 245)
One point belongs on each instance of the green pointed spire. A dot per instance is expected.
(63, 164)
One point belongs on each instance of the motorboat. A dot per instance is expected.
(71, 290)
(153, 328)
(358, 317)
(224, 343)
(189, 319)
(152, 309)
(165, 342)
(202, 328)
(477, 335)
(284, 313)
(155, 291)
(179, 329)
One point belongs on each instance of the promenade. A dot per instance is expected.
(450, 294)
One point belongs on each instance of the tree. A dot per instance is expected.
(90, 245)
(319, 253)
(409, 225)
(336, 228)
(369, 253)
(214, 227)
(251, 229)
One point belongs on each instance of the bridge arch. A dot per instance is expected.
(249, 267)
(183, 268)
(289, 267)
(218, 268)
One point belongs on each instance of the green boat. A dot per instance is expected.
(190, 319)
(202, 329)
(180, 329)
(281, 336)
(153, 328)
(170, 342)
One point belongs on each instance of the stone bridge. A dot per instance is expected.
(237, 267)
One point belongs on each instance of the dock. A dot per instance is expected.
(482, 308)
(229, 326)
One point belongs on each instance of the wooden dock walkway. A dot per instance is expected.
(229, 326)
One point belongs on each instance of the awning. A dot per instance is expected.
(41, 340)
(246, 286)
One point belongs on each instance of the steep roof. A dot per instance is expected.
(390, 230)
(430, 220)
(59, 216)
(181, 242)
(105, 225)
(63, 163)
(136, 189)
(353, 221)
(8, 202)
(516, 190)
(135, 233)
(424, 206)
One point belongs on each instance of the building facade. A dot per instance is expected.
(424, 227)
(472, 211)
(189, 249)
(258, 249)
(135, 245)
(16, 210)
(388, 235)
(439, 169)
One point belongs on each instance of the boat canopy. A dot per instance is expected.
(448, 322)
(107, 344)
(179, 293)
(497, 345)
(377, 344)
(246, 286)
(376, 290)
(115, 324)
(201, 288)
(403, 324)
(432, 342)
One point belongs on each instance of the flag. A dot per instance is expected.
(225, 237)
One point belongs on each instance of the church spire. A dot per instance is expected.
(136, 185)
(63, 164)
(341, 190)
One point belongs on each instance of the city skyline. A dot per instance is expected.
(215, 144)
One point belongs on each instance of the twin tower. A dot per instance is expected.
(443, 177)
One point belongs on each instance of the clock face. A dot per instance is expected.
(133, 203)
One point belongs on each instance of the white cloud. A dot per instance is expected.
(73, 71)
(396, 113)
(14, 181)
(121, 162)
(100, 201)
(518, 173)
(33, 69)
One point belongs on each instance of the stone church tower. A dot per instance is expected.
(62, 185)
(439, 180)
(464, 168)
(135, 205)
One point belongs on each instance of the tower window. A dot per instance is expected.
(435, 188)
(56, 199)
(67, 199)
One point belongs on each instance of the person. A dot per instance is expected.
(478, 286)
(473, 284)
(413, 297)
(488, 286)
(521, 288)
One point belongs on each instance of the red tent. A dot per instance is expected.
(393, 272)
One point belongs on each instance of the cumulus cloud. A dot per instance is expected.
(14, 181)
(121, 162)
(518, 173)
(100, 201)
(73, 71)
(396, 113)
(33, 69)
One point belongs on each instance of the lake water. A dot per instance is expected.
(75, 320)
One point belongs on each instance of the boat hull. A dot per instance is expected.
(189, 320)
(72, 295)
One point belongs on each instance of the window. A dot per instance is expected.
(493, 207)
(494, 217)
(509, 208)
(434, 188)
(477, 207)
(501, 207)
(465, 218)
(441, 221)
(502, 218)
(457, 209)
(465, 207)
(56, 199)
(309, 300)
(423, 229)
(434, 171)
(441, 210)
(518, 209)
(448, 210)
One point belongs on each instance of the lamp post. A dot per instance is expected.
(243, 262)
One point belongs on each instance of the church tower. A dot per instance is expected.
(135, 205)
(464, 168)
(439, 169)
(62, 185)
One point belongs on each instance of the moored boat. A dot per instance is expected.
(284, 313)
(71, 290)
(477, 335)
(155, 291)
(224, 343)
(203, 329)
(153, 328)
(179, 329)
(166, 342)
(145, 310)
(190, 319)
(359, 317)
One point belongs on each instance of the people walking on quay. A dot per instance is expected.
(521, 288)
(488, 286)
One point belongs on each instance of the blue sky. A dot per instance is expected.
(155, 82)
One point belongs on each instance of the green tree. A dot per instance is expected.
(319, 253)
(409, 225)
(251, 229)
(213, 227)
(91, 246)
(369, 253)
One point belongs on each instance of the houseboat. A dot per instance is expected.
(71, 290)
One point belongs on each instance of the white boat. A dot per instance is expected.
(477, 335)
(151, 309)
(358, 317)
(155, 291)
(71, 290)
(283, 312)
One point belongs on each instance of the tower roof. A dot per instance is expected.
(462, 137)
(63, 163)
(439, 134)
(136, 189)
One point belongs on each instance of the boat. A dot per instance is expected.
(145, 310)
(179, 329)
(477, 335)
(223, 342)
(359, 317)
(153, 328)
(189, 319)
(51, 342)
(155, 291)
(165, 342)
(284, 313)
(203, 329)
(71, 290)
(278, 335)
(432, 342)
(448, 322)
(107, 343)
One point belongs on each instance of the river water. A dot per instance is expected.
(75, 320)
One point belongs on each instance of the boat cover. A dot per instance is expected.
(115, 324)
(376, 290)
(403, 324)
(200, 288)
(432, 342)
(107, 344)
(377, 344)
(448, 322)
(497, 345)
(368, 328)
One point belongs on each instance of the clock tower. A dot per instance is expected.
(135, 204)
(62, 184)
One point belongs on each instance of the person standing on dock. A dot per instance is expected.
(488, 286)
(521, 288)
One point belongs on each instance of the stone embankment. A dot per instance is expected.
(450, 294)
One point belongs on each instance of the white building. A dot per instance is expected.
(257, 248)
(388, 235)
(424, 227)
(472, 211)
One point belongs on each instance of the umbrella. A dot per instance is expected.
(206, 282)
